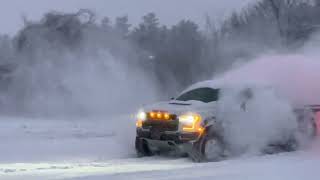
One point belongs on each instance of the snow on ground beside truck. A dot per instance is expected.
(45, 140)
(294, 166)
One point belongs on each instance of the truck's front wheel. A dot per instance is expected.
(142, 148)
(208, 149)
(212, 149)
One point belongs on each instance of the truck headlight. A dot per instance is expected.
(141, 117)
(191, 122)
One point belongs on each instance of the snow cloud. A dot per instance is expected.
(252, 123)
(279, 83)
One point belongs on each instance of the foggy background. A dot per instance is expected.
(82, 62)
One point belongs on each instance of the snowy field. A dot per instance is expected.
(96, 150)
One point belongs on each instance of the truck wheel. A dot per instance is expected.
(208, 149)
(142, 148)
(212, 149)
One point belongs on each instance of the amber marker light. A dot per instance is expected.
(152, 115)
(201, 130)
(166, 116)
(159, 115)
(139, 123)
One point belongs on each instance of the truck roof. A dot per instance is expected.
(216, 84)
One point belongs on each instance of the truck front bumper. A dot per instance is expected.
(167, 141)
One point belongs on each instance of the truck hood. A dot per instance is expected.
(177, 107)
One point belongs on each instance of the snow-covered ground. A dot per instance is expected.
(42, 140)
(295, 166)
(97, 150)
(33, 144)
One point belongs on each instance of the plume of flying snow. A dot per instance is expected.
(279, 83)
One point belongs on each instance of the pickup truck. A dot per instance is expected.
(191, 124)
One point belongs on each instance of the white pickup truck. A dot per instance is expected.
(193, 124)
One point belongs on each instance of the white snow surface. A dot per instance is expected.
(38, 149)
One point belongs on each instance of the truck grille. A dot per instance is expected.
(161, 121)
(161, 126)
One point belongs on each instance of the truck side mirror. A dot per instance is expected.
(172, 98)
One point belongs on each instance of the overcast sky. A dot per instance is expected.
(169, 11)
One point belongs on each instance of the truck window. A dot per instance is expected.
(201, 94)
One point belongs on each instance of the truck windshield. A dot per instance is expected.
(201, 94)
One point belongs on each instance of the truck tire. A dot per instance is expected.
(212, 149)
(142, 148)
(208, 149)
